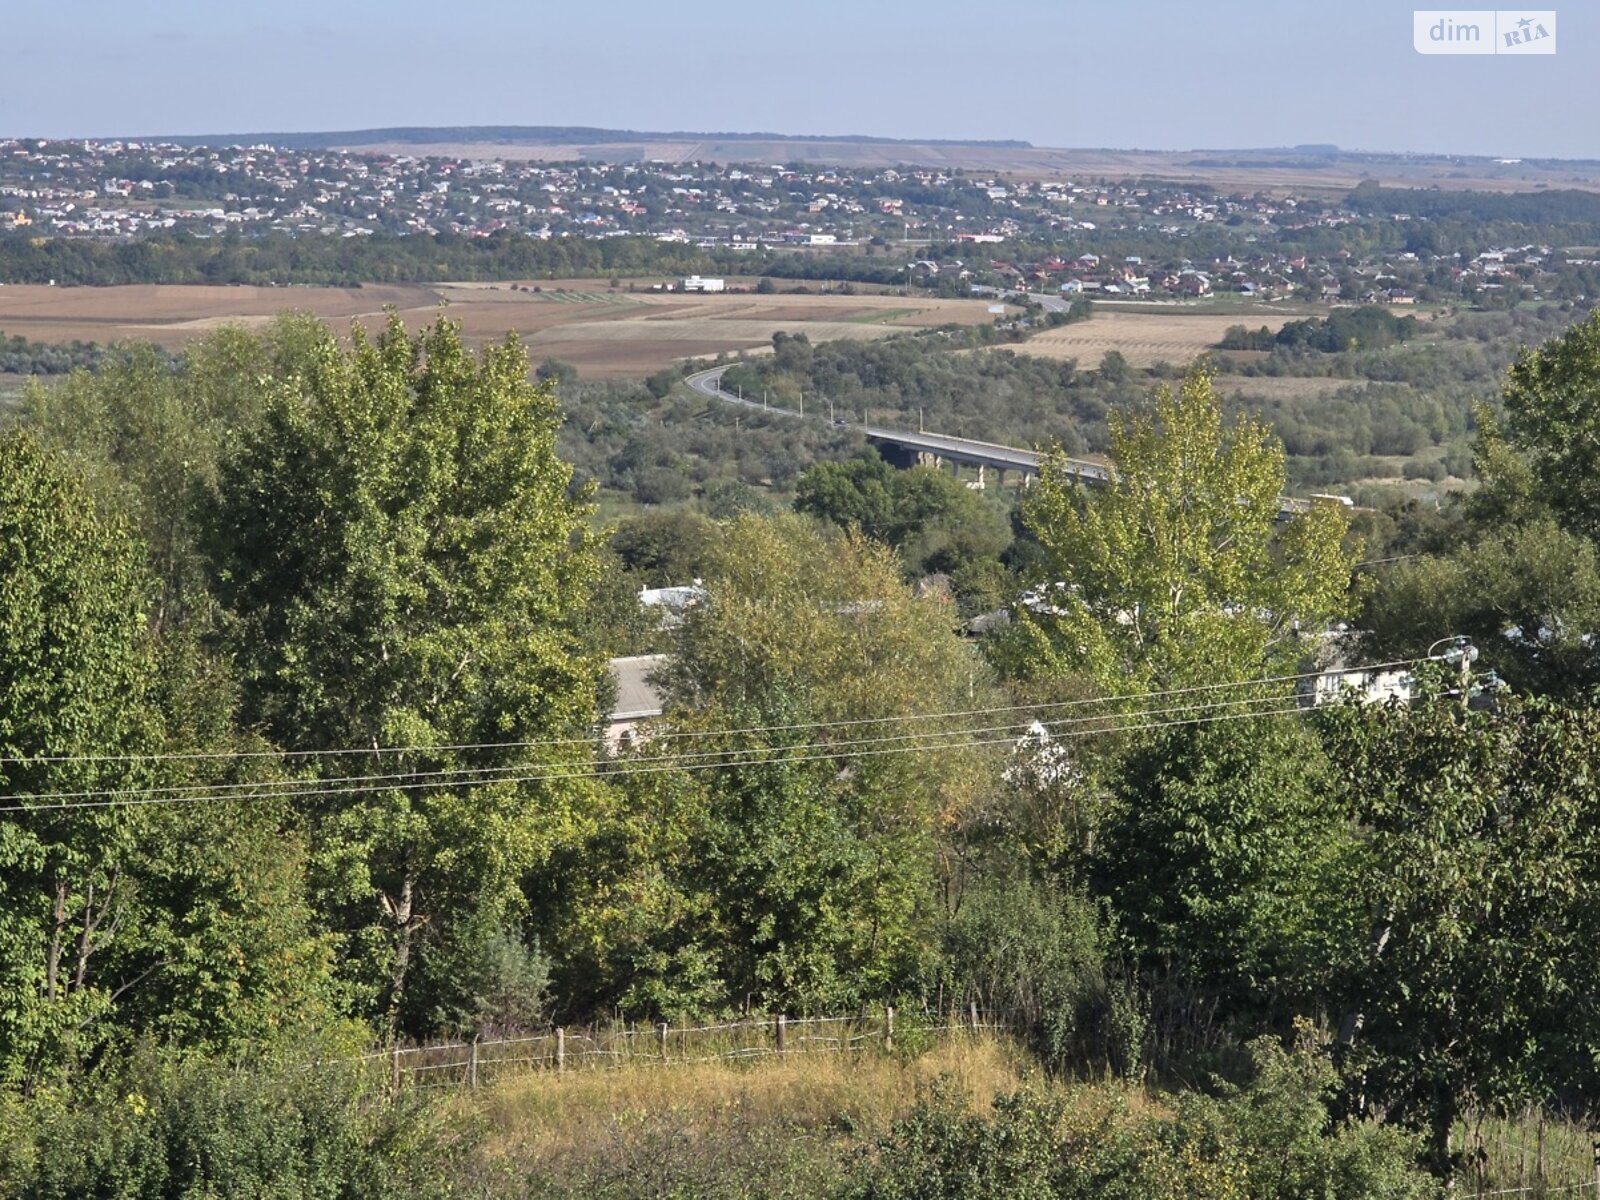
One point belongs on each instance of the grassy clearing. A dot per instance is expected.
(884, 316)
(541, 1113)
(1532, 1151)
(772, 1128)
(604, 333)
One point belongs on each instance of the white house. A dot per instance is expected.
(696, 283)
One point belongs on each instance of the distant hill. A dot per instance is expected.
(545, 135)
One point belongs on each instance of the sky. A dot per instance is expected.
(1145, 74)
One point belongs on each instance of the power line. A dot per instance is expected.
(473, 776)
(1287, 708)
(198, 755)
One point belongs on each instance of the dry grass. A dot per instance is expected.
(1283, 387)
(603, 333)
(1143, 338)
(541, 1114)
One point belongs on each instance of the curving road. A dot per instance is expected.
(961, 450)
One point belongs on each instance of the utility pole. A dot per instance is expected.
(1469, 654)
(1463, 654)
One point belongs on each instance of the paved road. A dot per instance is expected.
(965, 450)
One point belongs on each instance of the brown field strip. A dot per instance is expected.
(1144, 339)
(602, 332)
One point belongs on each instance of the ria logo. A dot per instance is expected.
(1483, 31)
(1527, 31)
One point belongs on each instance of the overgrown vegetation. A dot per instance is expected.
(1403, 412)
(302, 693)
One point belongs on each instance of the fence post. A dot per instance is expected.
(661, 1038)
(783, 1021)
(394, 1070)
(972, 1012)
(888, 1028)
(561, 1049)
(472, 1063)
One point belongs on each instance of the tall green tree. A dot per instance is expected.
(1527, 593)
(152, 437)
(797, 863)
(404, 562)
(936, 522)
(1547, 448)
(1468, 985)
(185, 919)
(1177, 571)
(75, 674)
(1226, 867)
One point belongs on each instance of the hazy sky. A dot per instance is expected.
(1158, 74)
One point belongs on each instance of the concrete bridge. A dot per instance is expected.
(924, 449)
(936, 449)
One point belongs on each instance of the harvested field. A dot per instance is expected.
(603, 332)
(1143, 338)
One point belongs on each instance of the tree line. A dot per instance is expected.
(283, 260)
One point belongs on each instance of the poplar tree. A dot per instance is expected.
(405, 560)
(1177, 571)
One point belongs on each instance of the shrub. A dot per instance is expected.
(166, 1123)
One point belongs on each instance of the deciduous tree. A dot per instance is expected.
(1177, 571)
(404, 561)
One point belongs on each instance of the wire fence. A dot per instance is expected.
(480, 1061)
(1530, 1154)
(471, 1063)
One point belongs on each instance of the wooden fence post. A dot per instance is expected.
(888, 1028)
(972, 1012)
(661, 1038)
(783, 1022)
(472, 1063)
(394, 1070)
(561, 1049)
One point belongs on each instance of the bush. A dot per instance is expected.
(163, 1123)
(662, 382)
(1023, 949)
(1431, 470)
(1270, 1141)
(661, 485)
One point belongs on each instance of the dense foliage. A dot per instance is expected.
(1384, 397)
(302, 693)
